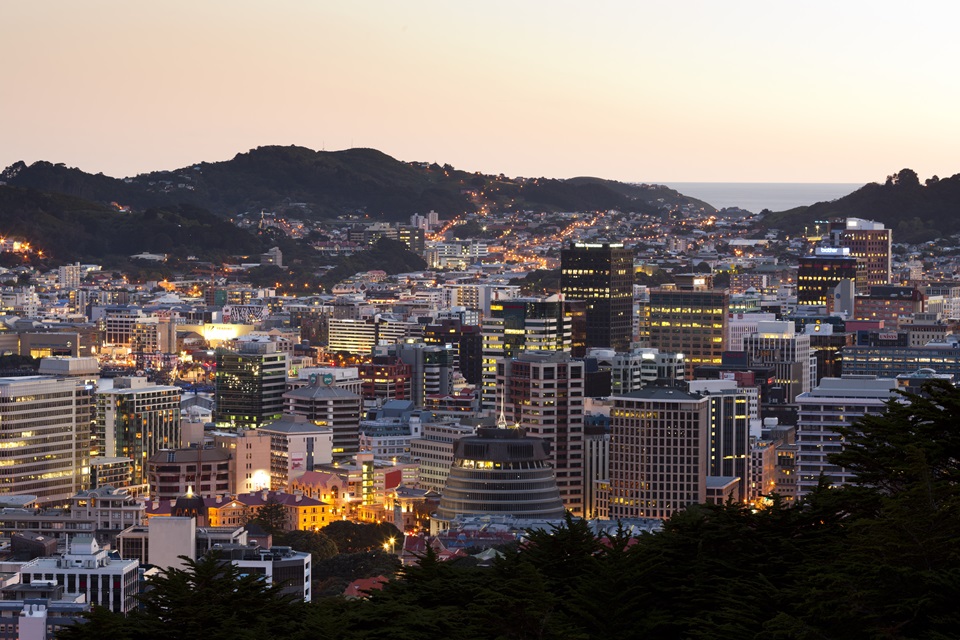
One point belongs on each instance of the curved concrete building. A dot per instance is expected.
(501, 472)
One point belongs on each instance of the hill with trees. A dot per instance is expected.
(70, 228)
(915, 211)
(328, 184)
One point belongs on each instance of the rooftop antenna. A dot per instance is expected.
(502, 420)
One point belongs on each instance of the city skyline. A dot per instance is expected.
(748, 92)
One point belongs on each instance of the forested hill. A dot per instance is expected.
(915, 211)
(68, 228)
(322, 184)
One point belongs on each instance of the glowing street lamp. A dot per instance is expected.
(389, 545)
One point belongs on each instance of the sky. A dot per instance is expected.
(636, 91)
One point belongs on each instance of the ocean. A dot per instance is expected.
(757, 196)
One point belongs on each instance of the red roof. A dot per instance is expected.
(361, 588)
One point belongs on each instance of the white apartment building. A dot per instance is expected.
(834, 402)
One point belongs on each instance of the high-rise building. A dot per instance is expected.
(778, 344)
(135, 419)
(467, 341)
(433, 451)
(327, 405)
(659, 445)
(544, 395)
(638, 368)
(68, 276)
(833, 403)
(386, 378)
(45, 432)
(432, 368)
(602, 276)
(250, 385)
(868, 240)
(732, 409)
(819, 274)
(516, 326)
(690, 317)
(596, 462)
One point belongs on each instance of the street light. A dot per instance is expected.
(389, 544)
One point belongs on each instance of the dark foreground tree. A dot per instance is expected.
(208, 599)
(353, 537)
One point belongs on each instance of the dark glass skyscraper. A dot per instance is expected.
(819, 274)
(602, 276)
(250, 386)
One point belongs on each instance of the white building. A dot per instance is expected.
(740, 325)
(88, 569)
(835, 402)
(638, 368)
(779, 345)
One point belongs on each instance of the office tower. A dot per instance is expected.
(867, 240)
(385, 378)
(891, 304)
(602, 276)
(544, 395)
(819, 274)
(45, 428)
(135, 419)
(478, 297)
(433, 451)
(515, 326)
(659, 445)
(732, 409)
(779, 345)
(432, 368)
(468, 343)
(596, 462)
(834, 402)
(690, 317)
(639, 368)
(250, 385)
(743, 324)
(361, 335)
(327, 405)
(117, 323)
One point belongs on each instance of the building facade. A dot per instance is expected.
(659, 444)
(602, 276)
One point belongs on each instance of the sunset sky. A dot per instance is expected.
(636, 91)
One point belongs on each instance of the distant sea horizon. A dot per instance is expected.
(757, 196)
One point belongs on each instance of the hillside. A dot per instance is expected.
(916, 211)
(322, 185)
(69, 228)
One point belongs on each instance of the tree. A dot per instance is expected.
(915, 440)
(272, 516)
(352, 537)
(208, 599)
(317, 544)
